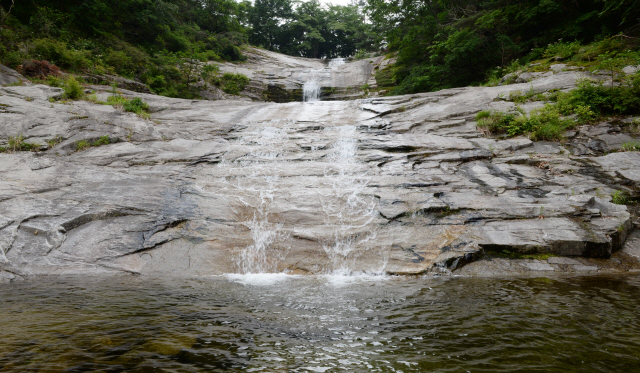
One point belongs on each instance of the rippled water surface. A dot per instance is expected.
(321, 324)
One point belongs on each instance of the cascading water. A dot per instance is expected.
(336, 62)
(311, 89)
(348, 209)
(253, 181)
(334, 213)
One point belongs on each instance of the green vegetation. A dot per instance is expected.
(17, 143)
(163, 43)
(308, 29)
(232, 83)
(631, 146)
(148, 40)
(541, 124)
(72, 89)
(593, 100)
(620, 197)
(454, 43)
(588, 103)
(86, 144)
(54, 141)
(135, 105)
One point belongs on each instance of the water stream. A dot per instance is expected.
(280, 323)
(311, 88)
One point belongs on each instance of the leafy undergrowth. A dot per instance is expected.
(135, 105)
(85, 144)
(17, 144)
(232, 83)
(591, 102)
(607, 56)
(541, 124)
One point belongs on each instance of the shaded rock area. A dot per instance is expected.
(9, 76)
(401, 185)
(118, 81)
(280, 78)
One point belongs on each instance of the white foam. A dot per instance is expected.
(259, 279)
(317, 369)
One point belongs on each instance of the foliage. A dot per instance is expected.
(17, 143)
(451, 43)
(116, 101)
(54, 141)
(86, 144)
(620, 197)
(233, 83)
(593, 100)
(541, 124)
(82, 145)
(39, 69)
(631, 146)
(309, 29)
(136, 105)
(140, 39)
(72, 89)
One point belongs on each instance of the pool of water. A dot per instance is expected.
(279, 323)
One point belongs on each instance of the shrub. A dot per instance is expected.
(631, 146)
(58, 53)
(561, 49)
(17, 143)
(103, 140)
(541, 124)
(82, 145)
(72, 89)
(620, 197)
(136, 105)
(116, 101)
(39, 69)
(54, 81)
(233, 83)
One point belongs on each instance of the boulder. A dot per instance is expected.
(9, 76)
(119, 81)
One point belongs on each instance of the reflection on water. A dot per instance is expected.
(279, 323)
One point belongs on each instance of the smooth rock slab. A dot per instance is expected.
(402, 185)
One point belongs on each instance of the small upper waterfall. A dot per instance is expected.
(311, 89)
(334, 62)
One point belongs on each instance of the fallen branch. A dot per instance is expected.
(5, 15)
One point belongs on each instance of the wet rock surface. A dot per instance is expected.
(279, 78)
(402, 185)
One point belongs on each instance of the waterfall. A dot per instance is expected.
(349, 211)
(336, 62)
(311, 89)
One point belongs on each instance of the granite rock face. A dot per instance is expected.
(9, 76)
(280, 78)
(402, 185)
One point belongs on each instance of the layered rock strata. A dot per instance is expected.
(402, 185)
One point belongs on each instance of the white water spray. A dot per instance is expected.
(311, 89)
(348, 209)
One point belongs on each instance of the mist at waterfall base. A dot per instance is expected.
(321, 324)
